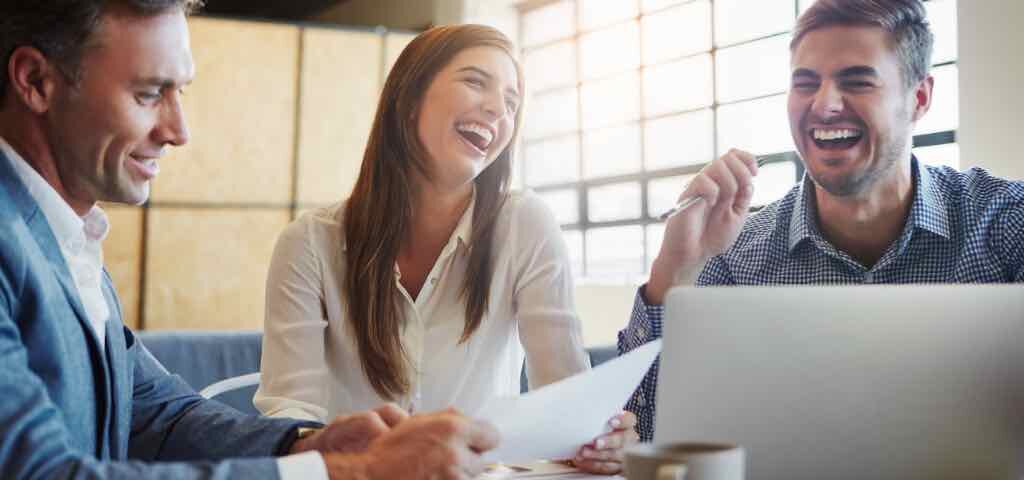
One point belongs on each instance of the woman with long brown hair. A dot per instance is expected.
(429, 285)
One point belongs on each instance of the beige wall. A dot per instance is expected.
(413, 15)
(279, 115)
(419, 14)
(991, 69)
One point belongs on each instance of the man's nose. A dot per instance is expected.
(173, 128)
(828, 102)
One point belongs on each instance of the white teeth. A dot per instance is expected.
(834, 134)
(477, 129)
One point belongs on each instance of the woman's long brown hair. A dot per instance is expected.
(379, 211)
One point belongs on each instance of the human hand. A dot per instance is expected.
(352, 433)
(707, 228)
(605, 454)
(437, 446)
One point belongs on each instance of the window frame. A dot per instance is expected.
(644, 176)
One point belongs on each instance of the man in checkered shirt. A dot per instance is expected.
(867, 211)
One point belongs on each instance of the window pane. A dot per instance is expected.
(937, 155)
(805, 4)
(753, 69)
(574, 242)
(942, 17)
(552, 113)
(945, 111)
(553, 66)
(773, 182)
(611, 101)
(677, 32)
(598, 13)
(682, 85)
(739, 20)
(611, 151)
(655, 235)
(620, 201)
(548, 23)
(552, 161)
(611, 50)
(757, 126)
(564, 204)
(615, 253)
(652, 5)
(679, 140)
(662, 193)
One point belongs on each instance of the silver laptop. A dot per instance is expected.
(866, 382)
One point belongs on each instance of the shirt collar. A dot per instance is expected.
(464, 229)
(71, 230)
(802, 220)
(927, 212)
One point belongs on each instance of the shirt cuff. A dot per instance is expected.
(302, 466)
(644, 324)
(297, 414)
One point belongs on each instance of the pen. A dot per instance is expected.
(685, 203)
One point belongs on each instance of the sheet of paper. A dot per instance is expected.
(552, 422)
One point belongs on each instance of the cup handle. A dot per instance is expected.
(673, 471)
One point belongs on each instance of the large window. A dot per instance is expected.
(630, 98)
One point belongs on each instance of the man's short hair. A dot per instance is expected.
(62, 29)
(905, 20)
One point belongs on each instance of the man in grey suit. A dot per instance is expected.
(89, 101)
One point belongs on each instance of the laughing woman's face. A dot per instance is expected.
(468, 115)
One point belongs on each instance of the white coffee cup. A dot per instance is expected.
(685, 461)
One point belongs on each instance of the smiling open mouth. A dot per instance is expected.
(837, 138)
(476, 135)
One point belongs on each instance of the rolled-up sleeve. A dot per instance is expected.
(544, 305)
(644, 326)
(293, 365)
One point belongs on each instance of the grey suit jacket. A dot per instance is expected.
(69, 409)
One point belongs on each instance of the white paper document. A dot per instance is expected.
(554, 421)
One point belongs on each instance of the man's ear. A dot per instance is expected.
(923, 97)
(32, 79)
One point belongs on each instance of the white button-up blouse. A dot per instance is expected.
(310, 364)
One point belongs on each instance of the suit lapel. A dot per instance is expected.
(121, 367)
(43, 234)
(44, 237)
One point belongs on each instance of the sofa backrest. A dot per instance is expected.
(202, 358)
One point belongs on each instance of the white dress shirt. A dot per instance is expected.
(80, 240)
(311, 368)
(81, 243)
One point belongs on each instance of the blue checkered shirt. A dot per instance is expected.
(963, 228)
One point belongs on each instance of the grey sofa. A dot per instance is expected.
(202, 358)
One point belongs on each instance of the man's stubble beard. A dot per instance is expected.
(890, 152)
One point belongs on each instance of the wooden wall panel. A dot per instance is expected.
(340, 86)
(122, 255)
(206, 268)
(394, 43)
(241, 112)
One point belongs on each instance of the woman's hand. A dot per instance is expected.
(605, 454)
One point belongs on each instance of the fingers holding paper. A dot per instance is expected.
(605, 454)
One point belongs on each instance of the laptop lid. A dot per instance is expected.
(858, 382)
